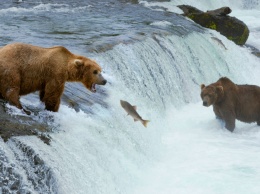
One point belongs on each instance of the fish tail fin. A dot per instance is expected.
(145, 122)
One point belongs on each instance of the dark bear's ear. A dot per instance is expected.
(202, 86)
(78, 62)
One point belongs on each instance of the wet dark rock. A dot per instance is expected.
(218, 20)
(5, 189)
(15, 185)
(5, 182)
(256, 54)
(37, 160)
(254, 50)
(21, 125)
(38, 174)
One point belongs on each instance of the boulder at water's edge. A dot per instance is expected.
(218, 20)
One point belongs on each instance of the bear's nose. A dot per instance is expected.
(205, 103)
(104, 82)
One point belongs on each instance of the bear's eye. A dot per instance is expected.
(95, 71)
(210, 95)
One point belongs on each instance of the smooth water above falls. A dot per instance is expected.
(184, 149)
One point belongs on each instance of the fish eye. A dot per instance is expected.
(95, 72)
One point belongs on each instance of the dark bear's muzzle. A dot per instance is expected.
(205, 103)
(103, 82)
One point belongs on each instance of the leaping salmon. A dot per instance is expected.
(131, 110)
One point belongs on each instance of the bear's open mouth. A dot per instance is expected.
(93, 88)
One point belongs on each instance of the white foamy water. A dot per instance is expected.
(201, 157)
(251, 19)
(184, 148)
(57, 8)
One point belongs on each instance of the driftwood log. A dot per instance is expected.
(223, 11)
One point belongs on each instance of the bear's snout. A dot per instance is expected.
(101, 80)
(104, 82)
(205, 103)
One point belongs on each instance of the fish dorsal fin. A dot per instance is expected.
(135, 107)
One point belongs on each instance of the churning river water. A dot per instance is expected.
(155, 59)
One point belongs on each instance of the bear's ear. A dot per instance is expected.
(78, 62)
(202, 86)
(220, 89)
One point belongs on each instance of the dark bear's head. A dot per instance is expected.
(211, 94)
(90, 73)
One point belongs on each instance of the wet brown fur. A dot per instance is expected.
(26, 68)
(231, 101)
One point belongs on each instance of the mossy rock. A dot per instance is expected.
(231, 27)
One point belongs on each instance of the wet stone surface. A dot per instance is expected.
(19, 125)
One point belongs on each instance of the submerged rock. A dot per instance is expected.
(218, 20)
(254, 50)
(256, 54)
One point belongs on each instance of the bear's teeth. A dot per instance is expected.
(93, 89)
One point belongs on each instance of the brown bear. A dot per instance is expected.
(231, 101)
(26, 68)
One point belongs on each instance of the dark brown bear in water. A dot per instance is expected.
(231, 101)
(26, 68)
